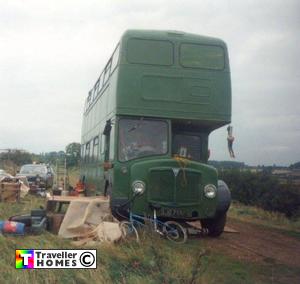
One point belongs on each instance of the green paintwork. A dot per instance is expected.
(173, 91)
(153, 80)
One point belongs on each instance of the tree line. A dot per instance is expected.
(263, 190)
(19, 157)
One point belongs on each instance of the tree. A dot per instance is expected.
(295, 166)
(73, 154)
(18, 157)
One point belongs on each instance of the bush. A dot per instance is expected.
(263, 190)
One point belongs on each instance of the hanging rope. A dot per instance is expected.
(183, 162)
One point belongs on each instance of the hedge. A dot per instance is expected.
(263, 190)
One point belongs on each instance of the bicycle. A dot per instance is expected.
(172, 230)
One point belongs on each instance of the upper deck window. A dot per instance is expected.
(154, 52)
(202, 56)
(107, 72)
(115, 58)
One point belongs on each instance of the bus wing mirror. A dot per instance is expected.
(107, 166)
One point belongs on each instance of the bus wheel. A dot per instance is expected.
(215, 226)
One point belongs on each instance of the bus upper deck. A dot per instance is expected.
(167, 74)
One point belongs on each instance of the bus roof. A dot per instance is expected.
(173, 35)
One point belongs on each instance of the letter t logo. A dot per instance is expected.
(25, 257)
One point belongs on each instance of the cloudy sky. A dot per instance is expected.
(51, 53)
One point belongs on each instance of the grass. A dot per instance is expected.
(269, 219)
(153, 261)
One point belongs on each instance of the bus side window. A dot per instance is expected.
(100, 83)
(89, 100)
(102, 148)
(115, 59)
(87, 152)
(107, 72)
(91, 152)
(112, 143)
(95, 149)
(96, 88)
(82, 151)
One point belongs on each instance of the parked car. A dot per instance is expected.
(38, 175)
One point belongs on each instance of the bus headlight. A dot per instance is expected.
(210, 191)
(138, 187)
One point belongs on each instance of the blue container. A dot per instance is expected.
(10, 227)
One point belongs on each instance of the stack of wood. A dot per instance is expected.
(10, 190)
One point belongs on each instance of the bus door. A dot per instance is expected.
(108, 158)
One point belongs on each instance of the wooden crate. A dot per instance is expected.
(10, 191)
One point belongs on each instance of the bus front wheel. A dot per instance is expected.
(215, 226)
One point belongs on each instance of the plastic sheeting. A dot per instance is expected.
(89, 222)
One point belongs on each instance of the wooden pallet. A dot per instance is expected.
(10, 191)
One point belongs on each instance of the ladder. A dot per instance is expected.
(61, 175)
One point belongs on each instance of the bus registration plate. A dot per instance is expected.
(172, 212)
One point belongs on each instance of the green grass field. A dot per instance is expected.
(258, 216)
(154, 260)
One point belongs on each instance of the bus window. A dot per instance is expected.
(89, 99)
(100, 83)
(87, 152)
(107, 72)
(187, 146)
(140, 138)
(91, 152)
(95, 148)
(102, 148)
(144, 51)
(82, 151)
(96, 88)
(202, 56)
(115, 59)
(112, 143)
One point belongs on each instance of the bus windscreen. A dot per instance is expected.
(142, 137)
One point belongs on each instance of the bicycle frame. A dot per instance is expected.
(170, 229)
(140, 220)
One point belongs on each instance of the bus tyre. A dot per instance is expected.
(216, 225)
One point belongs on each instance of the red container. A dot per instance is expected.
(10, 227)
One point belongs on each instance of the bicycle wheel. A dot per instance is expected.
(129, 232)
(175, 232)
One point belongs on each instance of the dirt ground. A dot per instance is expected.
(257, 244)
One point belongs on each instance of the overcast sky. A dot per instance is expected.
(51, 53)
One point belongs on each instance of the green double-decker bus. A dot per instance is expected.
(146, 125)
